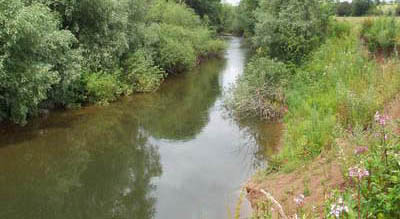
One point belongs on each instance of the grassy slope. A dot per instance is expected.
(337, 91)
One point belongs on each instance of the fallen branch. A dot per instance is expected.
(276, 203)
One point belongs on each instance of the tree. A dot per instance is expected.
(290, 30)
(344, 9)
(360, 7)
(35, 56)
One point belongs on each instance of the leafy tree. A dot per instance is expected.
(290, 30)
(344, 9)
(246, 17)
(35, 56)
(360, 7)
(209, 8)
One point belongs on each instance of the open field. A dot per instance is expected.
(358, 20)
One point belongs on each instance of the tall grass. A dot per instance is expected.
(380, 34)
(339, 87)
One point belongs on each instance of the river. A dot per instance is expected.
(173, 154)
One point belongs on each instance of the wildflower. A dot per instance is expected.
(361, 150)
(299, 200)
(358, 172)
(381, 119)
(338, 208)
(386, 137)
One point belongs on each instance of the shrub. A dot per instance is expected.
(380, 33)
(259, 91)
(176, 45)
(141, 73)
(289, 41)
(339, 29)
(102, 88)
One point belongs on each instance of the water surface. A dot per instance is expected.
(172, 154)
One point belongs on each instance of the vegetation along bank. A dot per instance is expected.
(67, 53)
(332, 82)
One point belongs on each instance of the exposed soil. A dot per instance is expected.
(314, 180)
(317, 178)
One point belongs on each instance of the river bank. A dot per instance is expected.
(333, 129)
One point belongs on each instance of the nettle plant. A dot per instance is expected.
(374, 177)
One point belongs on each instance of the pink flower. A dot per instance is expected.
(361, 150)
(358, 172)
(299, 200)
(381, 119)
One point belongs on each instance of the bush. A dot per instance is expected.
(289, 41)
(380, 33)
(259, 91)
(339, 29)
(102, 88)
(141, 73)
(177, 42)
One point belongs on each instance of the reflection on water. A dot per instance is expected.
(171, 154)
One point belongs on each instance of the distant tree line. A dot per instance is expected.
(359, 8)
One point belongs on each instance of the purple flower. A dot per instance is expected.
(358, 172)
(360, 150)
(299, 200)
(381, 119)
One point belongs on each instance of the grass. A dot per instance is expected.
(339, 88)
(336, 92)
(358, 20)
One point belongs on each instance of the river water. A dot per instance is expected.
(172, 154)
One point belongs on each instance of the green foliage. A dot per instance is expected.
(102, 88)
(245, 17)
(361, 7)
(260, 91)
(285, 33)
(397, 10)
(141, 73)
(339, 29)
(381, 33)
(338, 88)
(210, 9)
(45, 45)
(290, 30)
(227, 18)
(344, 9)
(35, 57)
(177, 41)
(377, 194)
(381, 194)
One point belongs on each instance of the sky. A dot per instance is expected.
(233, 2)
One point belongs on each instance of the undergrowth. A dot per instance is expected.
(339, 87)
